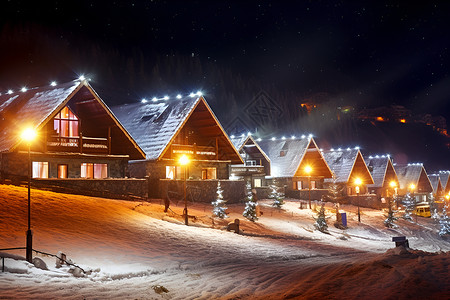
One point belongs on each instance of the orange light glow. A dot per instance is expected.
(308, 170)
(381, 119)
(402, 121)
(29, 135)
(184, 160)
(358, 181)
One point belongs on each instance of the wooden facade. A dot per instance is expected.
(77, 135)
(385, 178)
(413, 179)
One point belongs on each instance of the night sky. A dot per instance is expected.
(367, 53)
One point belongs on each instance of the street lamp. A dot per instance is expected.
(29, 135)
(393, 186)
(358, 182)
(184, 161)
(412, 187)
(308, 170)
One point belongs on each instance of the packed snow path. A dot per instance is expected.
(132, 250)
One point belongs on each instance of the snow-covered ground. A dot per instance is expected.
(134, 250)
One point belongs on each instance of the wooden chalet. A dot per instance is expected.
(348, 166)
(444, 177)
(414, 179)
(77, 134)
(383, 175)
(438, 191)
(256, 162)
(168, 129)
(289, 159)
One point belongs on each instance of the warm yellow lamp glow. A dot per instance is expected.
(184, 160)
(447, 197)
(412, 186)
(29, 135)
(358, 181)
(308, 170)
(393, 184)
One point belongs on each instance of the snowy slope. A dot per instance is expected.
(132, 248)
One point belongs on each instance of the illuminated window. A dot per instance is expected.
(40, 169)
(313, 184)
(65, 123)
(298, 185)
(257, 182)
(170, 172)
(97, 171)
(209, 173)
(62, 171)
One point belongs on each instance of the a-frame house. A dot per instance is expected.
(348, 167)
(168, 129)
(435, 181)
(77, 135)
(256, 162)
(445, 181)
(291, 159)
(385, 180)
(414, 179)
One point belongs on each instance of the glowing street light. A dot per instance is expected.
(184, 161)
(308, 170)
(393, 186)
(28, 135)
(358, 182)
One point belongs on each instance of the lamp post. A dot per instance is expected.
(308, 170)
(184, 161)
(393, 186)
(412, 187)
(29, 135)
(357, 184)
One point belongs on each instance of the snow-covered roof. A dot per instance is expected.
(285, 155)
(239, 141)
(247, 141)
(445, 179)
(378, 167)
(30, 109)
(411, 174)
(435, 182)
(154, 125)
(342, 163)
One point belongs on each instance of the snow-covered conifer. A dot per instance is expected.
(321, 222)
(277, 196)
(219, 206)
(250, 205)
(390, 217)
(444, 222)
(409, 204)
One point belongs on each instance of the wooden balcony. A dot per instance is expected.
(79, 144)
(243, 170)
(194, 151)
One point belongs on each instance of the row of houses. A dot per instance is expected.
(81, 138)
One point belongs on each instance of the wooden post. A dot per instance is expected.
(195, 150)
(217, 149)
(81, 142)
(109, 139)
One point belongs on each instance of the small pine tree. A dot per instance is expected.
(409, 204)
(335, 192)
(250, 205)
(444, 222)
(277, 196)
(435, 215)
(321, 221)
(390, 217)
(219, 206)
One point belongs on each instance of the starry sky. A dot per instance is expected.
(365, 52)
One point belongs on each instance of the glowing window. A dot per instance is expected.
(40, 169)
(97, 171)
(62, 171)
(65, 123)
(209, 173)
(257, 182)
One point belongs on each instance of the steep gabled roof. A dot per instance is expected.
(287, 157)
(445, 180)
(411, 174)
(379, 167)
(36, 107)
(343, 163)
(242, 141)
(155, 125)
(30, 109)
(435, 183)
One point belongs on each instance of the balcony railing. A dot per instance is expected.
(195, 151)
(242, 170)
(79, 144)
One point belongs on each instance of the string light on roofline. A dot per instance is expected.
(192, 95)
(310, 135)
(357, 148)
(199, 93)
(166, 98)
(249, 133)
(53, 83)
(348, 149)
(303, 136)
(242, 135)
(232, 136)
(273, 139)
(144, 100)
(179, 96)
(154, 99)
(332, 149)
(82, 78)
(339, 149)
(293, 137)
(283, 137)
(10, 92)
(259, 139)
(24, 89)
